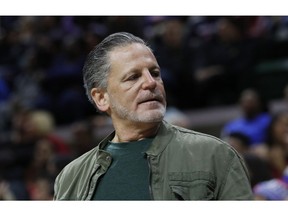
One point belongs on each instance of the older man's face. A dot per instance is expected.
(135, 88)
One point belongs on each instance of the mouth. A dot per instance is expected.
(151, 99)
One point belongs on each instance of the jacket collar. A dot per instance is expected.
(161, 140)
(159, 143)
(105, 141)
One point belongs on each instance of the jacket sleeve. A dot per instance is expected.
(56, 187)
(236, 183)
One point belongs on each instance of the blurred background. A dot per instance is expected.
(226, 76)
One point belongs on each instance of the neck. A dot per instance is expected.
(134, 132)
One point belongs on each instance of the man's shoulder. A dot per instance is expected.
(178, 139)
(195, 137)
(199, 144)
(85, 159)
(74, 166)
(66, 181)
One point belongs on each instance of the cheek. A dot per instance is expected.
(124, 99)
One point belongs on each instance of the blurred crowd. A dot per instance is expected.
(205, 61)
(261, 137)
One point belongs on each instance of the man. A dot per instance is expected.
(254, 120)
(145, 158)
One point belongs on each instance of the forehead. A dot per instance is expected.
(131, 53)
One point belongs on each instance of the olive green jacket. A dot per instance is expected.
(184, 165)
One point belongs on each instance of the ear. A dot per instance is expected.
(100, 98)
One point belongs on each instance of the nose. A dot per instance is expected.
(149, 81)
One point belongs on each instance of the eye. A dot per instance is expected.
(155, 73)
(133, 77)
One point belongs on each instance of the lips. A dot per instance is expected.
(151, 99)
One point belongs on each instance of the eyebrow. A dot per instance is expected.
(129, 73)
(136, 71)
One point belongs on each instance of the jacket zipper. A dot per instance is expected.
(150, 177)
(93, 183)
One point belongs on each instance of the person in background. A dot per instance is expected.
(258, 167)
(82, 138)
(223, 62)
(42, 189)
(254, 120)
(145, 158)
(39, 172)
(239, 141)
(275, 150)
(274, 189)
(174, 56)
(28, 148)
(5, 191)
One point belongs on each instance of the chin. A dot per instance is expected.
(152, 116)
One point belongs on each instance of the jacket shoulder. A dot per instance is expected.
(192, 137)
(200, 143)
(80, 161)
(85, 159)
(66, 183)
(74, 179)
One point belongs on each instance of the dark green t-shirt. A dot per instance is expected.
(128, 176)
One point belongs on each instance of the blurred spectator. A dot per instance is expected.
(254, 120)
(40, 174)
(173, 54)
(5, 192)
(277, 144)
(42, 190)
(44, 152)
(28, 128)
(62, 85)
(258, 168)
(275, 189)
(238, 141)
(82, 138)
(222, 63)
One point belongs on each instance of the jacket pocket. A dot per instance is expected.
(192, 186)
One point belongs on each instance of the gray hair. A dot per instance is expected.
(97, 66)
